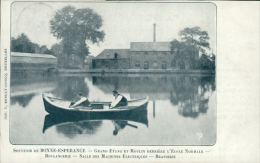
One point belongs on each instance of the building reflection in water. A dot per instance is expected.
(187, 92)
(23, 90)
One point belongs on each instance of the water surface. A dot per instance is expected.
(181, 110)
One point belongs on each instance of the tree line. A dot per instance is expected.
(23, 44)
(193, 41)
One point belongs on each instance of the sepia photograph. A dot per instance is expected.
(113, 74)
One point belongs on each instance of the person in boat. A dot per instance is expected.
(82, 102)
(120, 100)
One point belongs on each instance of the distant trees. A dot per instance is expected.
(193, 41)
(76, 26)
(196, 38)
(24, 45)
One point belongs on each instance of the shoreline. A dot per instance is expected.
(136, 71)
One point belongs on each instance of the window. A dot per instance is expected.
(125, 65)
(115, 65)
(173, 63)
(137, 53)
(137, 64)
(164, 53)
(146, 65)
(182, 65)
(146, 53)
(107, 64)
(164, 65)
(155, 65)
(116, 55)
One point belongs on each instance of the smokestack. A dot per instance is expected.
(154, 32)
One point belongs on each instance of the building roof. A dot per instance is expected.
(109, 53)
(18, 54)
(150, 46)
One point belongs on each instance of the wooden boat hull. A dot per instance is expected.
(54, 108)
(53, 120)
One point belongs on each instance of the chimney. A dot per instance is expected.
(154, 32)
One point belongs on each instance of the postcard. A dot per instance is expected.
(95, 81)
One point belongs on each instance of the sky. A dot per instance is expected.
(123, 22)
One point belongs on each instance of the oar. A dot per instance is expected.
(132, 125)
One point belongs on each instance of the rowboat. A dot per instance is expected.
(90, 122)
(60, 106)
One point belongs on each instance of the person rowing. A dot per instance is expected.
(120, 100)
(82, 102)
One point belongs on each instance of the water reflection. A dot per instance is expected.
(120, 125)
(180, 106)
(187, 92)
(69, 86)
(22, 100)
(70, 126)
(70, 130)
(23, 90)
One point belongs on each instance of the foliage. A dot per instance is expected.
(76, 26)
(193, 41)
(195, 37)
(206, 62)
(56, 50)
(184, 52)
(23, 44)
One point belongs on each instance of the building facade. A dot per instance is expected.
(141, 55)
(112, 59)
(21, 62)
(151, 55)
(144, 55)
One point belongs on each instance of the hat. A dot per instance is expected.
(115, 92)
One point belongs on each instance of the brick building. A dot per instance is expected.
(112, 59)
(142, 55)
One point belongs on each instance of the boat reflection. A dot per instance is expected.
(71, 125)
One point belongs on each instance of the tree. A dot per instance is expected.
(184, 52)
(193, 41)
(57, 51)
(206, 62)
(195, 37)
(22, 44)
(74, 27)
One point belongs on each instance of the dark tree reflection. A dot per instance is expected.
(189, 95)
(22, 100)
(69, 87)
(187, 92)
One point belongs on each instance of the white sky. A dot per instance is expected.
(123, 22)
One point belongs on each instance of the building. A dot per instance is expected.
(32, 62)
(151, 55)
(142, 55)
(112, 59)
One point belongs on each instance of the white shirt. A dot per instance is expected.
(117, 100)
(80, 101)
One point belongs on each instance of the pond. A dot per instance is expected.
(181, 110)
